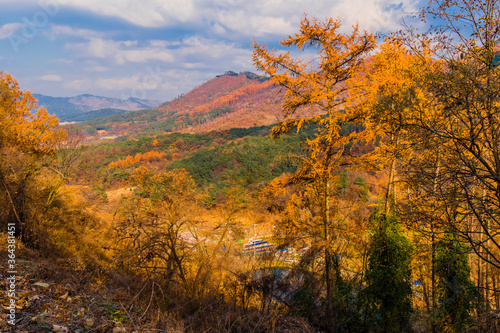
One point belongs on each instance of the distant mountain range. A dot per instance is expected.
(230, 100)
(226, 101)
(67, 107)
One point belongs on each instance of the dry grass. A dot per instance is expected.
(95, 299)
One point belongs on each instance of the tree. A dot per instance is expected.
(25, 126)
(319, 82)
(388, 277)
(384, 94)
(463, 122)
(453, 175)
(28, 140)
(157, 235)
(393, 99)
(457, 293)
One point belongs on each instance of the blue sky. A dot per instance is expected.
(157, 49)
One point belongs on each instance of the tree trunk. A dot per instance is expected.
(433, 237)
(390, 183)
(328, 259)
(425, 291)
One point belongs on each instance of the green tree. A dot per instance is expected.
(388, 277)
(457, 294)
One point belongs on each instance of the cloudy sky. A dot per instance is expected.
(157, 49)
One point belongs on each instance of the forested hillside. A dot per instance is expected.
(228, 101)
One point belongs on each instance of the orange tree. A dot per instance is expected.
(387, 93)
(158, 235)
(28, 139)
(461, 183)
(319, 82)
(465, 124)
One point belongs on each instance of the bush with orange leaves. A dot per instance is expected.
(29, 136)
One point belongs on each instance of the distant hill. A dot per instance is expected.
(90, 115)
(62, 106)
(230, 100)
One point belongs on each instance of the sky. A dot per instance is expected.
(158, 49)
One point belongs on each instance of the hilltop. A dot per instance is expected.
(230, 100)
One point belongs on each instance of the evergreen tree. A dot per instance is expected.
(456, 292)
(388, 277)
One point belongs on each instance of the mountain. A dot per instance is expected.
(227, 101)
(61, 106)
(89, 115)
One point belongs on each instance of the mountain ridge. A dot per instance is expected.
(63, 106)
(230, 100)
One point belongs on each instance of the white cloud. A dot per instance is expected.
(256, 25)
(9, 29)
(97, 68)
(218, 29)
(375, 16)
(61, 61)
(144, 55)
(280, 17)
(147, 13)
(256, 18)
(57, 30)
(159, 43)
(138, 85)
(80, 85)
(121, 83)
(164, 68)
(193, 49)
(51, 77)
(120, 51)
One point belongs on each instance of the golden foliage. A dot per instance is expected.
(147, 157)
(29, 137)
(22, 123)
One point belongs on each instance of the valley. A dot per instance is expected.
(352, 187)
